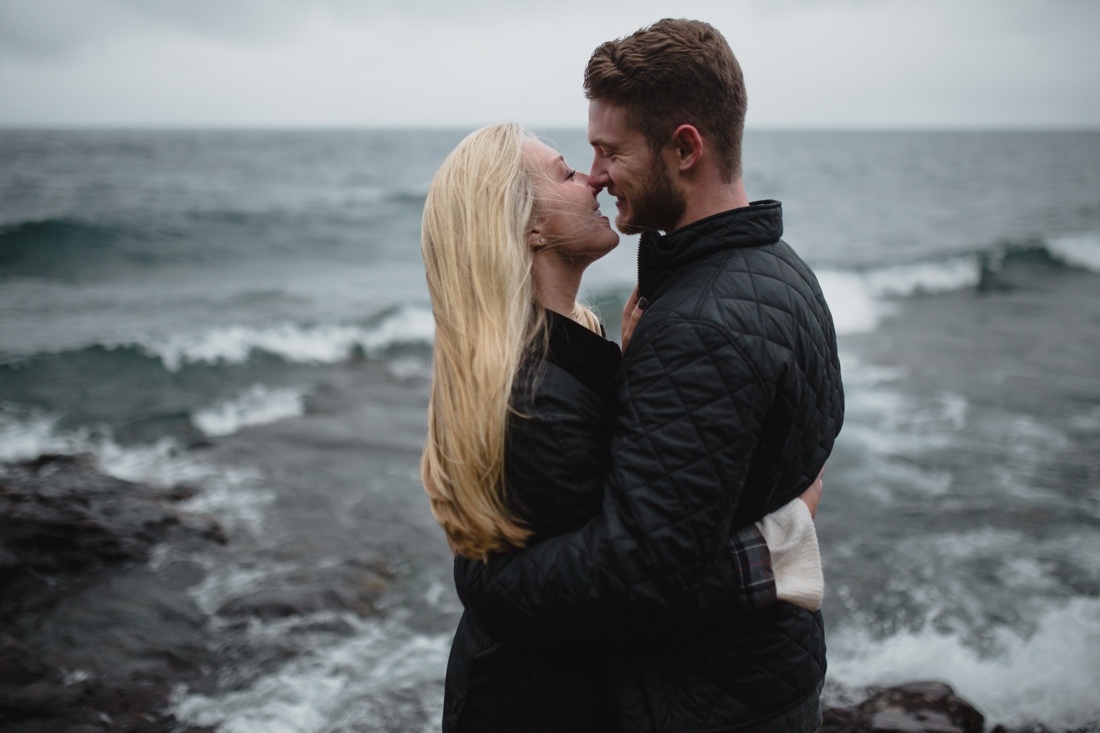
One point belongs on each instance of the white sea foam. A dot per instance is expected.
(860, 300)
(223, 581)
(386, 673)
(853, 303)
(1080, 251)
(923, 278)
(231, 493)
(258, 405)
(410, 367)
(319, 344)
(1048, 676)
(1087, 421)
(23, 437)
(892, 422)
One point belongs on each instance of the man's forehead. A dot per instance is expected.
(608, 123)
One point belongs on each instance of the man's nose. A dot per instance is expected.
(589, 181)
(598, 178)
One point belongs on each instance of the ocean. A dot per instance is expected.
(245, 312)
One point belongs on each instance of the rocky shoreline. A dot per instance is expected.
(79, 654)
(66, 530)
(915, 707)
(95, 632)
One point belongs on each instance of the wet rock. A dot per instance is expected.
(38, 697)
(353, 586)
(58, 514)
(281, 603)
(841, 720)
(91, 637)
(915, 707)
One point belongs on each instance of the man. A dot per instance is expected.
(729, 399)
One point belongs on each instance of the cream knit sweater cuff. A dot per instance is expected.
(796, 558)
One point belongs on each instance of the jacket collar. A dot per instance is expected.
(588, 356)
(759, 223)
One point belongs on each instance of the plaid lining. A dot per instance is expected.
(752, 561)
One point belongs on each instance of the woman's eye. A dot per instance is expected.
(569, 176)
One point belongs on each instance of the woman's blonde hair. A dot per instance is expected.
(479, 209)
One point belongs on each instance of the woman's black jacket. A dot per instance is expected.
(556, 456)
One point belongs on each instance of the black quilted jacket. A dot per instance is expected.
(729, 401)
(556, 458)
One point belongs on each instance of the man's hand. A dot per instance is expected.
(812, 495)
(632, 313)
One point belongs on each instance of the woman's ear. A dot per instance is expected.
(535, 239)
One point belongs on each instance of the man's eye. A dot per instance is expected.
(569, 176)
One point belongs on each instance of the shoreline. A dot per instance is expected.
(77, 547)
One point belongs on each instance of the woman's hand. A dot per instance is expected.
(812, 495)
(632, 313)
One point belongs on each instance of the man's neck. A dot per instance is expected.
(713, 198)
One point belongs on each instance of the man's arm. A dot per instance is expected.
(691, 408)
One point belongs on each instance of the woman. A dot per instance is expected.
(521, 408)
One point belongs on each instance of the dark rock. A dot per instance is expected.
(915, 707)
(36, 696)
(58, 514)
(352, 586)
(281, 603)
(841, 720)
(92, 637)
(74, 595)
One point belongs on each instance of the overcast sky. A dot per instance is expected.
(462, 63)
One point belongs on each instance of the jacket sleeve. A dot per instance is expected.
(691, 405)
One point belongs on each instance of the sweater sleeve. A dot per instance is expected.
(791, 538)
(691, 410)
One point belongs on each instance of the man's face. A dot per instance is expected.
(645, 194)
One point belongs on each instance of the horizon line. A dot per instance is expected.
(391, 127)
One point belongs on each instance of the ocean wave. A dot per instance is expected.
(385, 672)
(232, 493)
(52, 246)
(1047, 676)
(258, 405)
(1081, 251)
(852, 302)
(72, 248)
(27, 435)
(402, 336)
(307, 344)
(860, 298)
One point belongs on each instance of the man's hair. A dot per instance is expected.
(672, 73)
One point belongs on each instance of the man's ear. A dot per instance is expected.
(687, 144)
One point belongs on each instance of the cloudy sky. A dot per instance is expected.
(461, 63)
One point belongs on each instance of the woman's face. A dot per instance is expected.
(567, 212)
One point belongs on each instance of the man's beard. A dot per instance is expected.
(657, 205)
